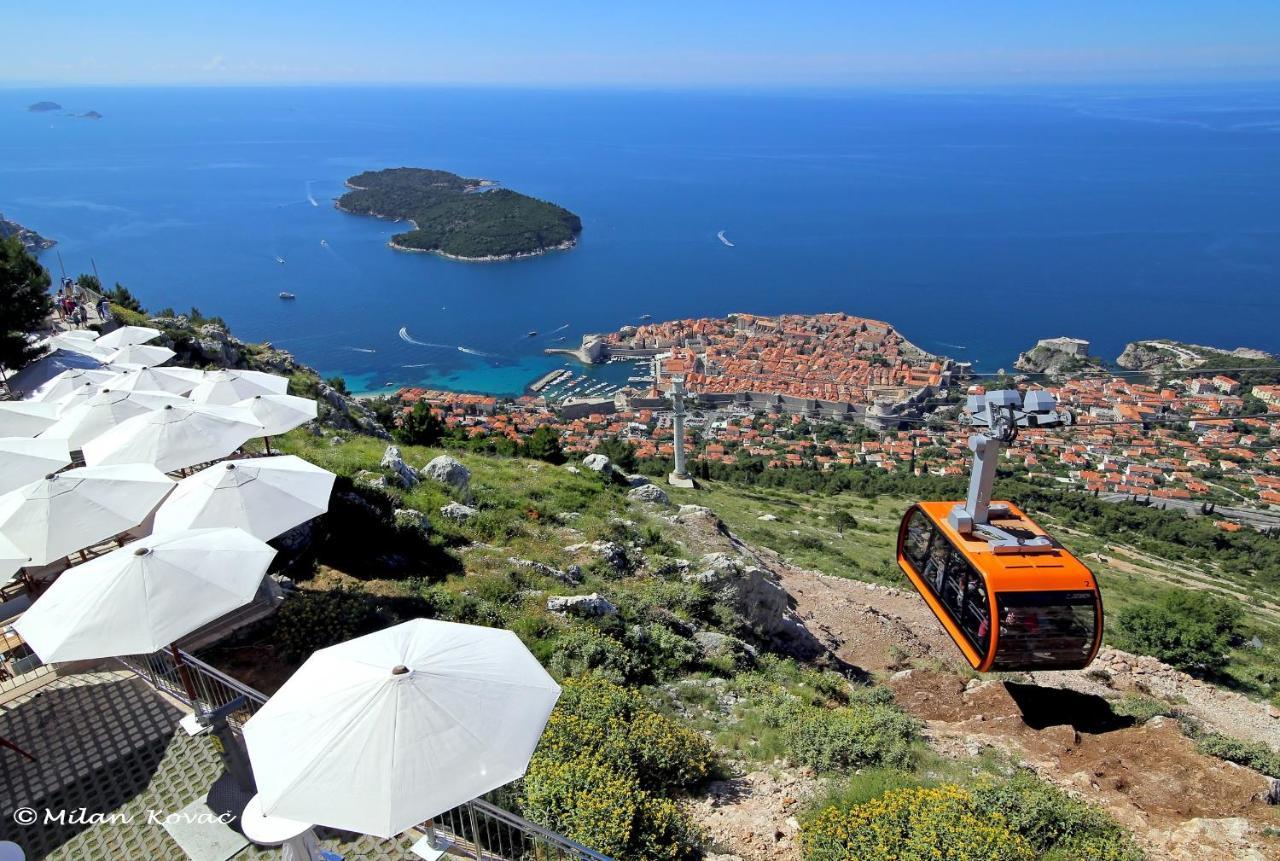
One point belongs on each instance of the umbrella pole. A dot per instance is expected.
(267, 440)
(183, 673)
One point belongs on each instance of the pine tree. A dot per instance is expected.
(24, 303)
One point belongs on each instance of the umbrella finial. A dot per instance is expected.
(399, 670)
(142, 551)
(230, 466)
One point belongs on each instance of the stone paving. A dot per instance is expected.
(108, 744)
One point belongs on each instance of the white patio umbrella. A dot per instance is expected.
(11, 559)
(127, 336)
(81, 334)
(229, 387)
(76, 343)
(279, 413)
(145, 596)
(67, 382)
(24, 459)
(264, 496)
(27, 418)
(175, 381)
(69, 511)
(94, 416)
(174, 436)
(141, 356)
(387, 730)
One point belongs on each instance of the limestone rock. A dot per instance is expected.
(768, 518)
(572, 576)
(717, 645)
(594, 604)
(649, 493)
(598, 463)
(449, 471)
(614, 555)
(405, 475)
(457, 511)
(638, 480)
(412, 518)
(758, 599)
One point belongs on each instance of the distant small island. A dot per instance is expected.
(91, 115)
(41, 107)
(461, 218)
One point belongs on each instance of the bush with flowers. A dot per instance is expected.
(941, 823)
(602, 771)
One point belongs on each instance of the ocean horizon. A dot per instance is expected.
(976, 223)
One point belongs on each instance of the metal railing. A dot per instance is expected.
(477, 829)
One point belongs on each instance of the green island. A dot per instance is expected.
(458, 217)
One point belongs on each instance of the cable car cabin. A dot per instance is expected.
(1046, 603)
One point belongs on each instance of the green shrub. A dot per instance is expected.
(1255, 755)
(1187, 629)
(914, 824)
(1143, 708)
(600, 771)
(1053, 821)
(584, 649)
(838, 739)
(309, 620)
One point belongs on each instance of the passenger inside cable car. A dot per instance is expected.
(1045, 604)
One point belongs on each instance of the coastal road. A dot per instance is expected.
(1257, 518)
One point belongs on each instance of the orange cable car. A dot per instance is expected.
(1046, 603)
(1010, 596)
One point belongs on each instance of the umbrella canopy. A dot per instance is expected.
(145, 596)
(76, 343)
(27, 418)
(384, 731)
(94, 416)
(127, 336)
(174, 436)
(46, 369)
(60, 514)
(11, 559)
(264, 496)
(23, 460)
(279, 413)
(175, 381)
(67, 382)
(81, 334)
(229, 387)
(141, 356)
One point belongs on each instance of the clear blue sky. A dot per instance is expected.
(647, 43)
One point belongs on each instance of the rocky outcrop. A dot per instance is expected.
(1056, 357)
(590, 606)
(412, 518)
(30, 240)
(613, 554)
(649, 493)
(601, 464)
(572, 576)
(757, 598)
(458, 512)
(449, 471)
(403, 474)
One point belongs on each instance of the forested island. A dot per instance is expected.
(42, 107)
(459, 217)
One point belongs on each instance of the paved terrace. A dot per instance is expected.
(108, 742)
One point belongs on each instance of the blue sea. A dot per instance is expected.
(975, 222)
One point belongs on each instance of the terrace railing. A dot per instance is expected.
(478, 829)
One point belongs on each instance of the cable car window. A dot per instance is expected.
(919, 532)
(1044, 630)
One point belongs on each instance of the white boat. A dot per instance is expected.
(285, 294)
